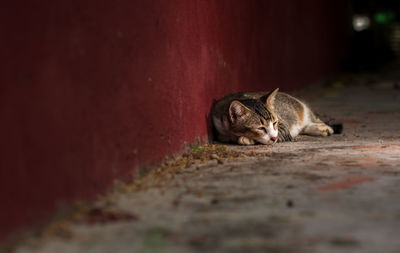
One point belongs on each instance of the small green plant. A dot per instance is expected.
(222, 148)
(155, 239)
(207, 148)
(197, 148)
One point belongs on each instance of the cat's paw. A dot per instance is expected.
(245, 141)
(318, 129)
(325, 130)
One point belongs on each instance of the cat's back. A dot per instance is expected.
(281, 98)
(286, 106)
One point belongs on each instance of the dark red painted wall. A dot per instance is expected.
(86, 84)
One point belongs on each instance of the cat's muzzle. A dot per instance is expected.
(273, 140)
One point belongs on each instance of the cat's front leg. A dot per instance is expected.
(245, 141)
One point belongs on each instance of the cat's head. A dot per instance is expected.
(255, 118)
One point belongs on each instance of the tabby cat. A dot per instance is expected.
(247, 118)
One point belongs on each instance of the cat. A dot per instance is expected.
(266, 118)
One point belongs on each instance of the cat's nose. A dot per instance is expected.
(274, 139)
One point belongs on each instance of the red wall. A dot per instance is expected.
(84, 84)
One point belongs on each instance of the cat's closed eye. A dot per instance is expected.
(262, 129)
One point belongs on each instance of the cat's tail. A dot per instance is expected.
(336, 125)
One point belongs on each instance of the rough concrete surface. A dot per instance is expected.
(335, 194)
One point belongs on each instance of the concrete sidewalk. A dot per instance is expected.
(333, 194)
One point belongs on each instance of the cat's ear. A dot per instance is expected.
(269, 99)
(238, 111)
